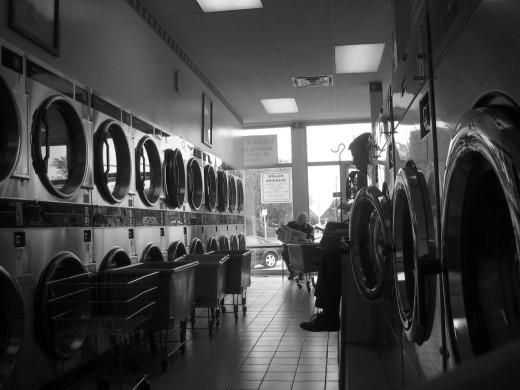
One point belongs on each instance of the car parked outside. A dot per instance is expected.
(265, 251)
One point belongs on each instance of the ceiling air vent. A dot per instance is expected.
(312, 81)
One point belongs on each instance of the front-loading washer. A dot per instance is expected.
(61, 137)
(14, 143)
(58, 244)
(150, 208)
(113, 196)
(15, 295)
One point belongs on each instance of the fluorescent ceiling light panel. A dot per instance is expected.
(359, 58)
(228, 5)
(280, 106)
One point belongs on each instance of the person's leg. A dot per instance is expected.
(285, 257)
(328, 295)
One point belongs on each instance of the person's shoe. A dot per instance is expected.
(291, 276)
(321, 323)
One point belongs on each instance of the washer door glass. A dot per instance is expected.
(210, 188)
(115, 258)
(224, 243)
(241, 242)
(152, 253)
(10, 137)
(481, 234)
(148, 171)
(62, 302)
(371, 244)
(196, 247)
(12, 324)
(232, 194)
(212, 245)
(222, 183)
(415, 264)
(59, 147)
(233, 243)
(175, 250)
(175, 178)
(240, 196)
(112, 161)
(194, 184)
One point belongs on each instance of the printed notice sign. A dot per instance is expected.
(276, 188)
(260, 150)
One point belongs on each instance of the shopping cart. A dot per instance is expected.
(210, 282)
(238, 278)
(113, 303)
(304, 260)
(175, 300)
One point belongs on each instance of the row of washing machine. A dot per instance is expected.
(87, 186)
(435, 236)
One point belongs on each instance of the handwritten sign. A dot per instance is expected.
(260, 150)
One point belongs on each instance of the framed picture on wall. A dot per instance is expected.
(207, 120)
(37, 20)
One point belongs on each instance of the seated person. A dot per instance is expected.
(301, 225)
(328, 286)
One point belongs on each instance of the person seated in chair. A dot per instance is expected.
(301, 225)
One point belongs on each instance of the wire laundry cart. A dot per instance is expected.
(210, 282)
(110, 303)
(238, 278)
(303, 258)
(175, 300)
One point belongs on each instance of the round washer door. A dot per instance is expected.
(240, 196)
(148, 171)
(242, 242)
(415, 265)
(175, 250)
(175, 178)
(151, 253)
(370, 231)
(196, 247)
(223, 192)
(212, 245)
(194, 184)
(61, 304)
(10, 132)
(233, 245)
(232, 194)
(112, 162)
(223, 243)
(481, 233)
(12, 324)
(115, 258)
(210, 188)
(59, 147)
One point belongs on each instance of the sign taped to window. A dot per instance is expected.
(276, 188)
(260, 150)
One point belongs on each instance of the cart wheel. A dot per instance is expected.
(165, 365)
(223, 309)
(133, 365)
(102, 384)
(308, 286)
(144, 385)
(244, 309)
(299, 286)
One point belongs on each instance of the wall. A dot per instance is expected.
(106, 45)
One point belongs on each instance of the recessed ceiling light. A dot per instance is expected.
(228, 5)
(358, 58)
(280, 106)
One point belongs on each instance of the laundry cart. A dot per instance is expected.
(113, 303)
(175, 300)
(238, 278)
(210, 283)
(304, 260)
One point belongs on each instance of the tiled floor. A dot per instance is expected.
(264, 349)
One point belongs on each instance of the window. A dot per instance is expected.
(324, 184)
(283, 145)
(323, 140)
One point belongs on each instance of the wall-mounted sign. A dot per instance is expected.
(260, 150)
(276, 188)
